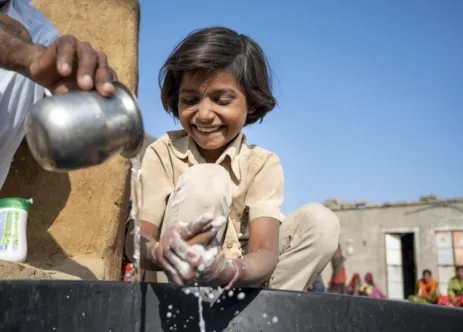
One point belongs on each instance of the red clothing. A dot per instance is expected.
(445, 300)
(340, 278)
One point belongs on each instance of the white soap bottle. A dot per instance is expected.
(13, 228)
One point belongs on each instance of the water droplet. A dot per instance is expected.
(275, 319)
(83, 314)
(230, 293)
(169, 314)
(170, 307)
(221, 308)
(241, 296)
(187, 291)
(178, 311)
(264, 315)
(67, 296)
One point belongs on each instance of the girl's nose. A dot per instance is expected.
(205, 111)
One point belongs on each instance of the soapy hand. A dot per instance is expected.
(190, 252)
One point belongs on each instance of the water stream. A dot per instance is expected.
(136, 193)
(137, 203)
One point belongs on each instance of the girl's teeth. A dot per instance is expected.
(207, 130)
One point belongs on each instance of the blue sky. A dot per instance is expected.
(370, 93)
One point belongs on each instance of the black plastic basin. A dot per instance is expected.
(91, 306)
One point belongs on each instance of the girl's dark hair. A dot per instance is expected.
(458, 267)
(219, 48)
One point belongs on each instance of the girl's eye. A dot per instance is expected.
(189, 101)
(224, 101)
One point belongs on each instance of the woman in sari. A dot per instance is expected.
(338, 279)
(353, 288)
(455, 290)
(369, 288)
(426, 289)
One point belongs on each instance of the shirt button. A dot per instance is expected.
(229, 244)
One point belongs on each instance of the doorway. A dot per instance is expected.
(401, 264)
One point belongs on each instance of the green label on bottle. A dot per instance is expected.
(9, 230)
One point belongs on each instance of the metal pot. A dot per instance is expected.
(81, 129)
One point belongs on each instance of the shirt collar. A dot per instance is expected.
(186, 148)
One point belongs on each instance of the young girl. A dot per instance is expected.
(211, 203)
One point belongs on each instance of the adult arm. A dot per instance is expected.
(16, 46)
(65, 65)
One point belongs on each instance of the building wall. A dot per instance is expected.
(364, 229)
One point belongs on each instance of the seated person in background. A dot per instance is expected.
(455, 288)
(369, 288)
(318, 286)
(353, 288)
(211, 202)
(426, 289)
(338, 277)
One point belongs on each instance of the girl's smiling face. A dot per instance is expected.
(212, 109)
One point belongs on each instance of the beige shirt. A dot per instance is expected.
(256, 174)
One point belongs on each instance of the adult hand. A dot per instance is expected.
(70, 64)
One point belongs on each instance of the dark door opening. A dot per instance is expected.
(408, 263)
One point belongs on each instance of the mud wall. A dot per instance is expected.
(76, 223)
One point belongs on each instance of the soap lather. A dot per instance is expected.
(81, 129)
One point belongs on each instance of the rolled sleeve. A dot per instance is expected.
(265, 194)
(157, 182)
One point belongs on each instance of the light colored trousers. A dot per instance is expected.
(308, 237)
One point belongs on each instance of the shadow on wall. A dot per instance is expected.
(50, 192)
